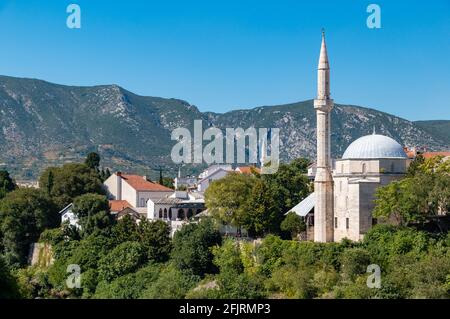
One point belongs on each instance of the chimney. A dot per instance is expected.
(119, 185)
(145, 177)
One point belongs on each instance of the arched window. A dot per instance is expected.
(165, 213)
(189, 213)
(170, 213)
(160, 213)
(180, 214)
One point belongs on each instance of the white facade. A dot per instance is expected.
(356, 181)
(215, 175)
(68, 216)
(135, 189)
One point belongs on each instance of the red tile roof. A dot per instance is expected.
(139, 183)
(118, 205)
(434, 154)
(248, 169)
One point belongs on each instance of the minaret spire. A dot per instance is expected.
(323, 183)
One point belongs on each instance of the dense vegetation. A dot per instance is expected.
(122, 259)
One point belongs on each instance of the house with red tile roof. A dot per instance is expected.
(136, 190)
(249, 170)
(116, 206)
(435, 154)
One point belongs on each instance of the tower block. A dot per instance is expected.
(323, 182)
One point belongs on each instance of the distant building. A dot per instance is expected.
(176, 209)
(445, 155)
(134, 189)
(68, 216)
(128, 211)
(249, 170)
(213, 173)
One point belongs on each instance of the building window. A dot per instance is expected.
(335, 222)
(142, 202)
(392, 168)
(170, 213)
(340, 186)
(160, 213)
(347, 223)
(165, 213)
(364, 169)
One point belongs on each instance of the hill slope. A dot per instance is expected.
(439, 129)
(48, 124)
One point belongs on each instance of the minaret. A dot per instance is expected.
(323, 183)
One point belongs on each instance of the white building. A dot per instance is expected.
(68, 216)
(213, 173)
(134, 189)
(176, 209)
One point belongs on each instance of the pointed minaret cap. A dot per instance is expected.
(323, 59)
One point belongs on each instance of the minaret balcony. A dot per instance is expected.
(324, 105)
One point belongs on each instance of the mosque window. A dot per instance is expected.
(165, 213)
(335, 222)
(160, 213)
(347, 223)
(364, 168)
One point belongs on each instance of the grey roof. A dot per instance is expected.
(374, 146)
(62, 211)
(169, 200)
(305, 206)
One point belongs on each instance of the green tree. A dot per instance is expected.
(129, 286)
(124, 230)
(24, 214)
(6, 183)
(192, 247)
(8, 285)
(92, 161)
(172, 283)
(227, 198)
(70, 181)
(123, 259)
(154, 237)
(93, 213)
(293, 224)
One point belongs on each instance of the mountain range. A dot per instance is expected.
(45, 124)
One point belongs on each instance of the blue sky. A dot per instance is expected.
(221, 55)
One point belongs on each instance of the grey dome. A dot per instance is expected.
(374, 146)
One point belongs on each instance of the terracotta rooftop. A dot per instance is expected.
(434, 154)
(139, 183)
(248, 169)
(118, 205)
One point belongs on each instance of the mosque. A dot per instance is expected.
(342, 202)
